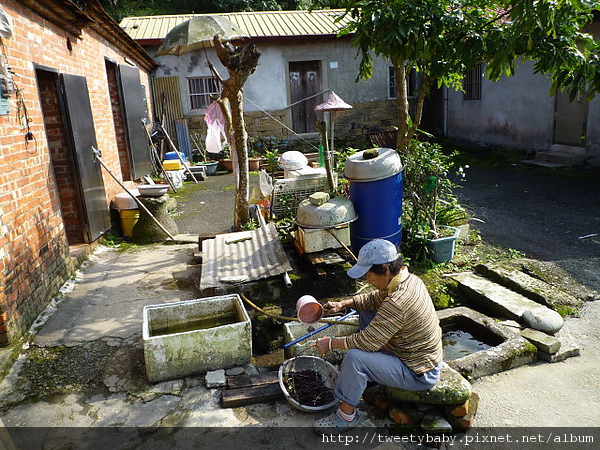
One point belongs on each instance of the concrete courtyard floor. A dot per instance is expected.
(82, 369)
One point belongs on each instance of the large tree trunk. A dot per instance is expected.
(241, 62)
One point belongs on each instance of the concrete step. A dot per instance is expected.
(560, 157)
(532, 288)
(506, 303)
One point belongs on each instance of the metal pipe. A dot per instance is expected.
(318, 330)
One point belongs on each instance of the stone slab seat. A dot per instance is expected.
(507, 303)
(451, 389)
(530, 287)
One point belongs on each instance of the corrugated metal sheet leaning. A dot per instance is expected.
(242, 256)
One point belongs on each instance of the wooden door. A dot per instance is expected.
(570, 120)
(305, 82)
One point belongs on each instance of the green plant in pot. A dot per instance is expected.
(430, 208)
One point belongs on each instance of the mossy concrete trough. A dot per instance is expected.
(179, 354)
(294, 330)
(508, 348)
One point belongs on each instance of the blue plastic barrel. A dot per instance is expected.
(376, 190)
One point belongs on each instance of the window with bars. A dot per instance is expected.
(201, 89)
(412, 85)
(472, 83)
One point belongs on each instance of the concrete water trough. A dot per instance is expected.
(193, 336)
(294, 330)
(484, 346)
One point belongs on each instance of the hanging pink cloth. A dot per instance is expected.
(215, 121)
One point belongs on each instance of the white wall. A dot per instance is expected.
(515, 112)
(268, 86)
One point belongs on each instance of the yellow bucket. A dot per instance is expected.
(129, 218)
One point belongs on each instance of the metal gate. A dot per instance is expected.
(79, 124)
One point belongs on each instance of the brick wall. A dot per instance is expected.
(38, 221)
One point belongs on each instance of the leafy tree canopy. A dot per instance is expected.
(442, 39)
(118, 9)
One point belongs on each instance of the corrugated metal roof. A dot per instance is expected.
(259, 24)
(242, 256)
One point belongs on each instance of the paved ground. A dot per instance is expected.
(94, 332)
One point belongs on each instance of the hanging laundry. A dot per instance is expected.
(215, 135)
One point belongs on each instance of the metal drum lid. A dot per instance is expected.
(384, 165)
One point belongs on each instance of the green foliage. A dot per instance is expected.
(340, 163)
(272, 159)
(428, 188)
(442, 39)
(250, 225)
(429, 200)
(260, 145)
(118, 9)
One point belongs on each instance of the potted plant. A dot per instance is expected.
(210, 166)
(430, 206)
(258, 148)
(225, 161)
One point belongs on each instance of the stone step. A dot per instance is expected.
(506, 303)
(560, 157)
(533, 288)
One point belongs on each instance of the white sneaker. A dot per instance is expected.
(334, 424)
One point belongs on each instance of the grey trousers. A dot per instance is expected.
(360, 367)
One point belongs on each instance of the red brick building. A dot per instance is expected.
(71, 80)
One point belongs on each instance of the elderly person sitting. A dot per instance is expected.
(399, 341)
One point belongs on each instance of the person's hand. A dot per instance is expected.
(333, 307)
(322, 346)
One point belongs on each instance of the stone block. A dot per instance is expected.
(568, 348)
(435, 423)
(215, 379)
(318, 198)
(451, 389)
(545, 343)
(508, 349)
(234, 371)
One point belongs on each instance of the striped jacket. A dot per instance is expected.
(406, 323)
